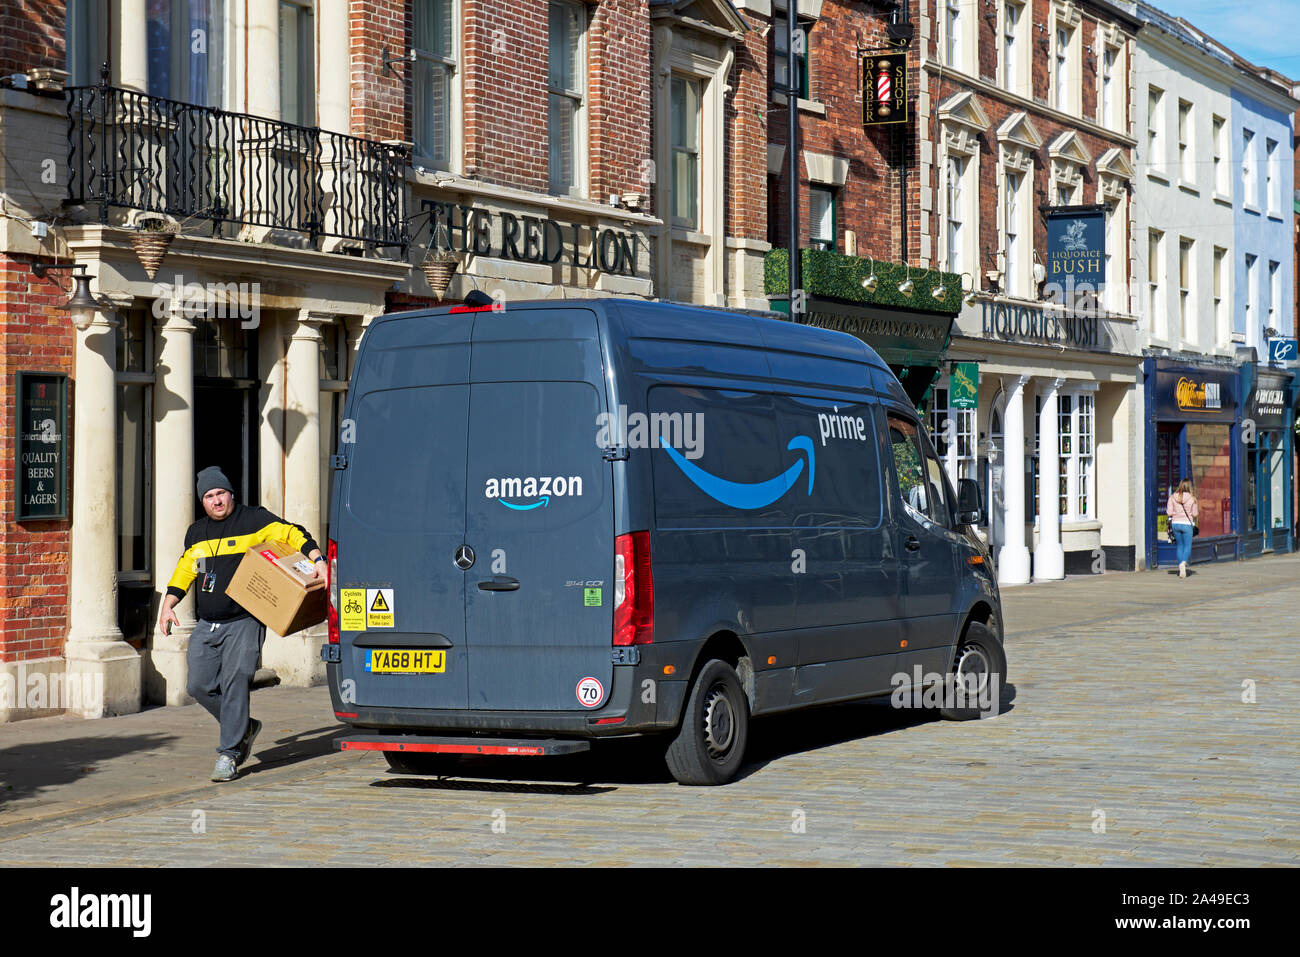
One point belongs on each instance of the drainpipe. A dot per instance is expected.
(792, 146)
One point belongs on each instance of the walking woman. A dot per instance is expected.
(1182, 509)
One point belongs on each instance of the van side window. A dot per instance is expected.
(920, 477)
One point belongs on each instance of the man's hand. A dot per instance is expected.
(168, 615)
(319, 567)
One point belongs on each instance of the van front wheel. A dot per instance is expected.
(979, 674)
(710, 744)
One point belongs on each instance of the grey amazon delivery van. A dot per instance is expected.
(560, 521)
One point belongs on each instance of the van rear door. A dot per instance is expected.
(400, 516)
(539, 514)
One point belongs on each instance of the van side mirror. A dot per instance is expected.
(969, 511)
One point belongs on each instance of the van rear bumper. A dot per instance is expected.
(428, 744)
(642, 700)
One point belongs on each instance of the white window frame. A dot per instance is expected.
(452, 162)
(1112, 78)
(1018, 141)
(1218, 131)
(1251, 309)
(1186, 144)
(1077, 468)
(1186, 288)
(961, 122)
(1065, 91)
(1014, 48)
(1274, 294)
(578, 188)
(1249, 183)
(1155, 292)
(964, 432)
(1222, 323)
(1155, 111)
(959, 35)
(307, 79)
(1271, 179)
(1114, 175)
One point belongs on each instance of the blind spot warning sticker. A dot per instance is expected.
(379, 608)
(590, 692)
(352, 609)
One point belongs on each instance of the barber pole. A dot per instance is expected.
(883, 88)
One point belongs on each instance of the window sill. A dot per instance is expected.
(1187, 187)
(1276, 217)
(1247, 208)
(683, 235)
(806, 106)
(1223, 200)
(1158, 176)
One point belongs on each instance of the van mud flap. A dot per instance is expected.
(522, 747)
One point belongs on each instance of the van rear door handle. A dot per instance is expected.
(500, 583)
(911, 544)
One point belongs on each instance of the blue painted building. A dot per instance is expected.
(1262, 129)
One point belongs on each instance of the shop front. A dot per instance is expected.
(1267, 437)
(1194, 432)
(1041, 408)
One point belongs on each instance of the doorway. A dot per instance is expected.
(226, 415)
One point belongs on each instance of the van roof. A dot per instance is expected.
(706, 324)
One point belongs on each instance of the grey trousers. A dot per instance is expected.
(222, 660)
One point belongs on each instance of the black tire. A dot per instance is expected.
(710, 745)
(979, 656)
(420, 762)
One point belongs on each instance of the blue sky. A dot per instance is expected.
(1263, 31)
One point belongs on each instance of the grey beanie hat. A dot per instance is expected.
(212, 477)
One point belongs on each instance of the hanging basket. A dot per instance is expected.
(150, 248)
(439, 270)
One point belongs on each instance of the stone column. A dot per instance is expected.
(174, 493)
(296, 658)
(1013, 557)
(1049, 558)
(263, 99)
(131, 30)
(105, 667)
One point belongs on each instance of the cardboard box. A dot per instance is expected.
(276, 585)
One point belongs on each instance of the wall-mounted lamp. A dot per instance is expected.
(82, 306)
(870, 282)
(907, 287)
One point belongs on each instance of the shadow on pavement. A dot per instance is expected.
(641, 761)
(28, 769)
(291, 749)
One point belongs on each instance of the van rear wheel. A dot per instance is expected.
(979, 673)
(710, 745)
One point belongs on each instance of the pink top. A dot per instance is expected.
(1182, 509)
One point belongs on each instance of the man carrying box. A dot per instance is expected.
(227, 640)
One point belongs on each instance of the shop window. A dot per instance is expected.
(1076, 475)
(822, 225)
(433, 82)
(954, 434)
(297, 62)
(566, 71)
(684, 110)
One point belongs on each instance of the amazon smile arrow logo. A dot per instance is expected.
(747, 495)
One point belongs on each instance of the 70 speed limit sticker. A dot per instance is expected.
(590, 692)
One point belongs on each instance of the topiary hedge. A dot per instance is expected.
(837, 276)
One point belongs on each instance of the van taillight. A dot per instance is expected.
(634, 590)
(332, 553)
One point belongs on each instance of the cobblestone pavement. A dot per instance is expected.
(1125, 708)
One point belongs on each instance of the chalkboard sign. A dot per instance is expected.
(42, 466)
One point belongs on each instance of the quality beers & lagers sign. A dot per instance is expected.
(42, 446)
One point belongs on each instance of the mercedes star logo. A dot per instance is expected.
(464, 558)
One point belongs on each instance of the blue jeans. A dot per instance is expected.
(1182, 540)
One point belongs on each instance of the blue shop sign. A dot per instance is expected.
(1076, 246)
(1190, 394)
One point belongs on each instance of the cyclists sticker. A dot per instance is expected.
(590, 692)
(352, 609)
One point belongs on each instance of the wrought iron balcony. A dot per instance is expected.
(132, 151)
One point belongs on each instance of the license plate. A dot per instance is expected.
(405, 661)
